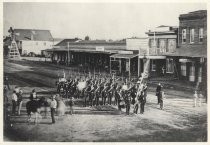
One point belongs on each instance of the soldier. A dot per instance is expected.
(136, 104)
(110, 94)
(86, 94)
(127, 102)
(104, 94)
(142, 102)
(145, 91)
(115, 93)
(120, 101)
(97, 94)
(91, 95)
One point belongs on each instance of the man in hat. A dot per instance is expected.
(33, 95)
(53, 106)
(158, 89)
(6, 82)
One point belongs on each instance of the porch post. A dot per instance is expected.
(138, 66)
(129, 64)
(120, 65)
(110, 65)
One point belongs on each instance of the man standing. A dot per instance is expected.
(127, 103)
(6, 82)
(20, 101)
(145, 91)
(162, 96)
(71, 104)
(195, 98)
(142, 102)
(158, 89)
(53, 106)
(14, 102)
(33, 95)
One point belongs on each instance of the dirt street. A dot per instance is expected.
(179, 121)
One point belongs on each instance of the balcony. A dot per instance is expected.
(157, 51)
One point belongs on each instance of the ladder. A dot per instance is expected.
(13, 51)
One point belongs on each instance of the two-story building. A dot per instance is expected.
(192, 50)
(153, 50)
(32, 40)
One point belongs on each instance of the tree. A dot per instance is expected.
(87, 38)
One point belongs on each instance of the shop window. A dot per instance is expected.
(183, 69)
(192, 35)
(153, 44)
(169, 65)
(184, 33)
(162, 45)
(171, 45)
(200, 34)
(153, 65)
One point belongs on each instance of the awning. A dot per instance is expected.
(191, 51)
(153, 57)
(126, 56)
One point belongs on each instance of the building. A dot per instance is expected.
(162, 41)
(32, 40)
(92, 54)
(192, 49)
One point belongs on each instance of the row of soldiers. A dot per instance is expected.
(103, 91)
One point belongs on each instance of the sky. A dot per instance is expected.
(97, 20)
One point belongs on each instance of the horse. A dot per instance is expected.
(34, 106)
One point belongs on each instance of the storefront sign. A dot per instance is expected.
(185, 60)
(99, 48)
(125, 52)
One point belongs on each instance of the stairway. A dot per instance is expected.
(13, 51)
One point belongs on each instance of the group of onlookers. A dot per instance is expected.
(17, 100)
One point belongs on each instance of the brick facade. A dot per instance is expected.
(193, 20)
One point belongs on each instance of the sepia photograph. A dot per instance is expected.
(104, 72)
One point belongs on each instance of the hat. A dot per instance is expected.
(54, 96)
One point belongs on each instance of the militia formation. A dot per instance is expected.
(93, 91)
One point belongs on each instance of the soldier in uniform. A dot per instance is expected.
(97, 94)
(117, 94)
(86, 94)
(91, 94)
(127, 102)
(142, 102)
(110, 93)
(104, 93)
(145, 92)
